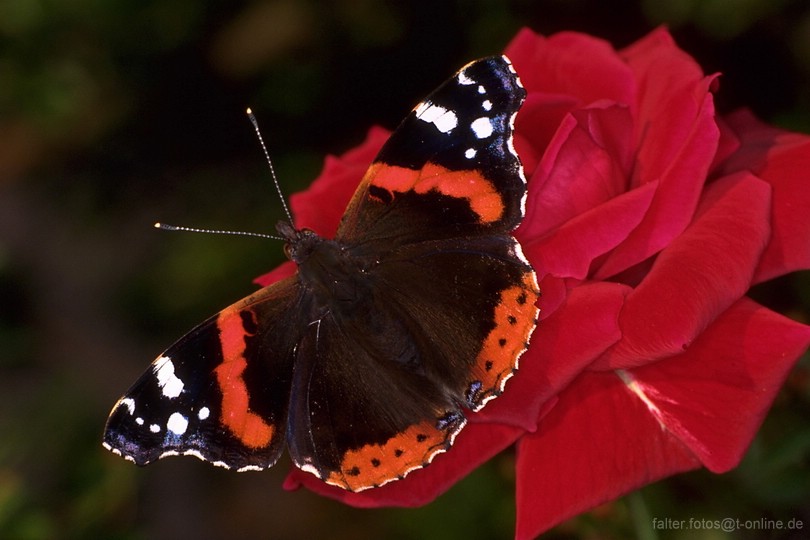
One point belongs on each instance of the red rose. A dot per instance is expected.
(648, 220)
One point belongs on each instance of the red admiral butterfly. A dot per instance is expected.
(362, 362)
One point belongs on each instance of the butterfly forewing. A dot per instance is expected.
(450, 168)
(199, 398)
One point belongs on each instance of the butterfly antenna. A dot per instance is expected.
(166, 227)
(269, 162)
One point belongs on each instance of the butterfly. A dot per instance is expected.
(364, 363)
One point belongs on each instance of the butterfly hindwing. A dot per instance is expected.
(475, 300)
(364, 422)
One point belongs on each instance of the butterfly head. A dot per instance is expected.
(298, 243)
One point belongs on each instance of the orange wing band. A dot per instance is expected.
(483, 198)
(245, 425)
(377, 464)
(515, 319)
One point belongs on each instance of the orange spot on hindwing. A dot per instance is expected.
(483, 198)
(515, 320)
(235, 325)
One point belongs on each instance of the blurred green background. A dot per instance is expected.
(115, 114)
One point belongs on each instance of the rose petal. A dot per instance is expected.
(562, 346)
(570, 250)
(698, 276)
(727, 146)
(596, 444)
(554, 65)
(782, 159)
(476, 444)
(554, 292)
(586, 164)
(670, 99)
(678, 140)
(535, 125)
(285, 269)
(715, 396)
(603, 439)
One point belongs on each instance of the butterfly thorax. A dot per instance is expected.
(331, 273)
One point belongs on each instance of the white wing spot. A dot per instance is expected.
(487, 105)
(481, 89)
(464, 79)
(482, 127)
(203, 413)
(444, 120)
(139, 421)
(129, 403)
(469, 153)
(177, 423)
(171, 385)
(154, 428)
